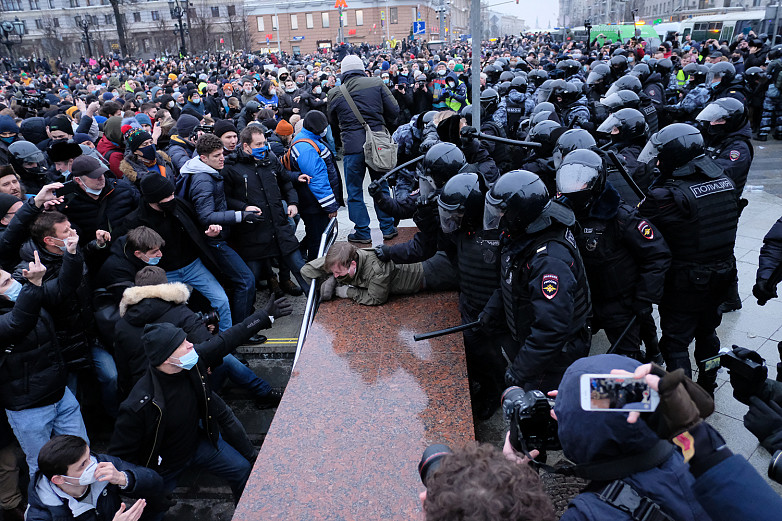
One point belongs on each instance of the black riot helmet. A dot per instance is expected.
(544, 91)
(537, 77)
(519, 84)
(492, 72)
(545, 115)
(466, 113)
(754, 75)
(618, 65)
(506, 76)
(697, 73)
(625, 126)
(598, 75)
(622, 99)
(503, 88)
(728, 110)
(581, 178)
(642, 72)
(569, 93)
(775, 52)
(557, 88)
(664, 67)
(429, 116)
(461, 203)
(720, 74)
(546, 106)
(490, 99)
(546, 133)
(626, 83)
(673, 146)
(571, 140)
(442, 162)
(569, 67)
(516, 200)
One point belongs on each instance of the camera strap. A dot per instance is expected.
(621, 495)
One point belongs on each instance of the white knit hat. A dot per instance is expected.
(351, 62)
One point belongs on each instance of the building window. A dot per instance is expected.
(38, 23)
(12, 5)
(51, 4)
(394, 15)
(108, 19)
(324, 17)
(294, 22)
(275, 23)
(155, 16)
(259, 21)
(231, 10)
(296, 50)
(74, 3)
(310, 22)
(216, 12)
(359, 17)
(413, 13)
(136, 17)
(55, 22)
(34, 5)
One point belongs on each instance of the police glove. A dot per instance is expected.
(468, 132)
(374, 188)
(763, 293)
(763, 420)
(511, 379)
(383, 252)
(642, 308)
(278, 308)
(251, 217)
(744, 389)
(683, 404)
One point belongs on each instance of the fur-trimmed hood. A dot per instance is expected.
(173, 292)
(134, 170)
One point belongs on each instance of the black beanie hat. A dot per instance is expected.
(6, 202)
(160, 340)
(315, 121)
(223, 126)
(155, 188)
(135, 138)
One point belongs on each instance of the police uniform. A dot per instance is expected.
(545, 295)
(696, 209)
(734, 154)
(626, 259)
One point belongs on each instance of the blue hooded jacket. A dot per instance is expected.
(588, 437)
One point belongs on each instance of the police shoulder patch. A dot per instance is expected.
(550, 285)
(734, 155)
(646, 230)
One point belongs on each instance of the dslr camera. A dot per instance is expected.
(528, 414)
(34, 102)
(209, 318)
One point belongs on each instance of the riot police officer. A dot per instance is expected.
(695, 206)
(515, 105)
(540, 161)
(647, 107)
(625, 256)
(628, 132)
(460, 206)
(543, 285)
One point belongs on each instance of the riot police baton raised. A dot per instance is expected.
(514, 142)
(447, 331)
(396, 169)
(613, 347)
(626, 175)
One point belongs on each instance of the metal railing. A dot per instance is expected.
(313, 296)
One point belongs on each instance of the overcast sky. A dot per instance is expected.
(545, 10)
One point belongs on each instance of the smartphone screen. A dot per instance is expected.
(616, 393)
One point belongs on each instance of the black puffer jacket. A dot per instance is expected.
(141, 305)
(14, 235)
(263, 184)
(117, 200)
(373, 100)
(207, 194)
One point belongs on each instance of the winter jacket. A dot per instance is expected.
(16, 233)
(373, 100)
(112, 152)
(734, 153)
(248, 97)
(207, 195)
(180, 151)
(243, 119)
(120, 266)
(141, 305)
(374, 280)
(589, 438)
(117, 200)
(263, 184)
(134, 170)
(324, 182)
(140, 428)
(45, 504)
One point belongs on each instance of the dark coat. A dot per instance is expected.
(134, 170)
(207, 195)
(263, 184)
(141, 483)
(180, 151)
(120, 266)
(375, 103)
(16, 233)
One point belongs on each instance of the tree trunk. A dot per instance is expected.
(123, 48)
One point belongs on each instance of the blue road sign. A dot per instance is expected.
(419, 27)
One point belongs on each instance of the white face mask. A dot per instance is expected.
(87, 477)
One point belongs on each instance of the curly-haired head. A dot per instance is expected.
(477, 483)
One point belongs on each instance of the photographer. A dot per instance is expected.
(422, 95)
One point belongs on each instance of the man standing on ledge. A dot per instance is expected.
(378, 108)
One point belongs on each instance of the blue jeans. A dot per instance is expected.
(201, 279)
(329, 140)
(355, 168)
(106, 373)
(34, 427)
(314, 226)
(239, 374)
(241, 279)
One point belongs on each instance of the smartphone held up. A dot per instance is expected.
(607, 392)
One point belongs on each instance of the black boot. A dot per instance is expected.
(733, 302)
(708, 380)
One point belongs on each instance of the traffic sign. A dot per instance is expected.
(419, 27)
(382, 15)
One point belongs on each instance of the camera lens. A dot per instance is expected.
(430, 460)
(775, 467)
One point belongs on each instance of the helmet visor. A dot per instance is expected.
(609, 125)
(575, 177)
(712, 112)
(450, 220)
(649, 153)
(426, 187)
(614, 88)
(594, 78)
(543, 94)
(492, 213)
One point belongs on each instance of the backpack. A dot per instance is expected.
(288, 159)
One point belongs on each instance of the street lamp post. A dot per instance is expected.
(178, 10)
(84, 23)
(7, 28)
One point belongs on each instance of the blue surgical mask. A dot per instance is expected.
(153, 261)
(91, 191)
(188, 361)
(12, 293)
(260, 152)
(66, 174)
(338, 82)
(63, 248)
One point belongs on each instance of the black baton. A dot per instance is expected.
(626, 175)
(514, 142)
(621, 337)
(447, 331)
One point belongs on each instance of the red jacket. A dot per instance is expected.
(113, 154)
